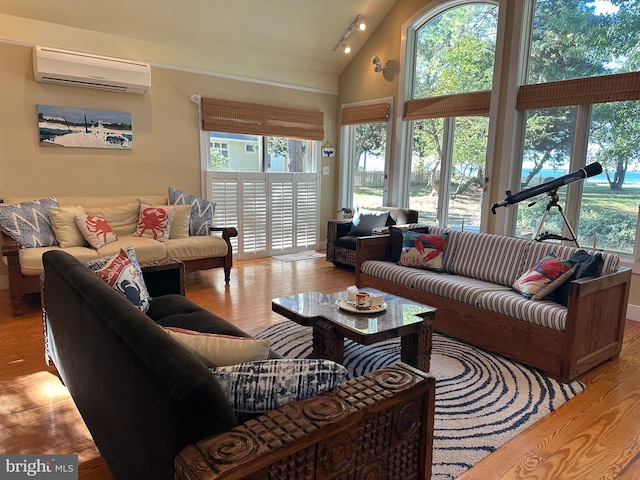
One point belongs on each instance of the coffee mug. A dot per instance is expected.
(362, 300)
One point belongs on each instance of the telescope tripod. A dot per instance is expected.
(541, 237)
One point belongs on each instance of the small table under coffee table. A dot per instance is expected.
(403, 318)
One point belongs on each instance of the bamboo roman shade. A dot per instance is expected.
(374, 113)
(251, 118)
(581, 91)
(459, 105)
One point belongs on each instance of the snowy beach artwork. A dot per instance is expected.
(80, 127)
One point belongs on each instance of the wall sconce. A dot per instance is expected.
(357, 24)
(377, 64)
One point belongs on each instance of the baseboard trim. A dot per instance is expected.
(633, 312)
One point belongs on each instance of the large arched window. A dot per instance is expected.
(451, 61)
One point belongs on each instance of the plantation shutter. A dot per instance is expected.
(223, 191)
(459, 105)
(307, 208)
(282, 208)
(274, 212)
(251, 118)
(374, 113)
(253, 204)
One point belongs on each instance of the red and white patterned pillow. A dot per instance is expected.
(95, 230)
(120, 274)
(544, 277)
(155, 222)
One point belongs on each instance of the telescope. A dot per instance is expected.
(588, 171)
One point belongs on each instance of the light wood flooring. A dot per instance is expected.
(594, 436)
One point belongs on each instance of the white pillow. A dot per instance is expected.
(221, 350)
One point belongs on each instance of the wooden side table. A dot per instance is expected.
(163, 277)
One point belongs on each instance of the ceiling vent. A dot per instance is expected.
(65, 67)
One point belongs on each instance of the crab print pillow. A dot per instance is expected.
(155, 222)
(120, 274)
(423, 250)
(95, 230)
(544, 277)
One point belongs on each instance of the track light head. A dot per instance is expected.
(377, 64)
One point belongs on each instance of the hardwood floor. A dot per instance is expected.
(596, 435)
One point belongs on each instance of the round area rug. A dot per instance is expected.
(482, 400)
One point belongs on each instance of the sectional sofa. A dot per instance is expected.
(477, 304)
(198, 252)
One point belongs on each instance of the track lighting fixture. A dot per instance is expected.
(347, 31)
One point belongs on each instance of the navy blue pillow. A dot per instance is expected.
(588, 265)
(366, 220)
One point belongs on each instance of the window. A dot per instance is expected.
(580, 105)
(262, 181)
(236, 152)
(365, 129)
(447, 115)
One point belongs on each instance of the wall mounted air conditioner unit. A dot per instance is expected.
(52, 65)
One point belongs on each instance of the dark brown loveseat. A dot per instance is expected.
(155, 411)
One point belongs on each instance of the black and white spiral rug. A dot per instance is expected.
(482, 400)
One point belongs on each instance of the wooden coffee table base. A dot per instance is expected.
(415, 348)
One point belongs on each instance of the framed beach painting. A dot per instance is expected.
(81, 127)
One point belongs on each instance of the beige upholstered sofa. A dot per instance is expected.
(122, 214)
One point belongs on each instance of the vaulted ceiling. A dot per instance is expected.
(276, 40)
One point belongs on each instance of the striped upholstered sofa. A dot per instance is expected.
(477, 304)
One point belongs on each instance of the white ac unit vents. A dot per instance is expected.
(65, 67)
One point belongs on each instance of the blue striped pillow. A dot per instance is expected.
(201, 211)
(254, 388)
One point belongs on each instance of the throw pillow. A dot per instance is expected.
(587, 266)
(28, 223)
(201, 211)
(120, 273)
(180, 222)
(63, 221)
(394, 247)
(155, 222)
(423, 250)
(544, 277)
(95, 230)
(221, 350)
(99, 263)
(258, 387)
(365, 221)
(122, 218)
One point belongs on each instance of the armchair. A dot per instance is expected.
(341, 240)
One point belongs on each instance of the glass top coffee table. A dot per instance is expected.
(411, 321)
